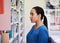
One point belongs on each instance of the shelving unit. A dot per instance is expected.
(17, 21)
(53, 13)
(54, 19)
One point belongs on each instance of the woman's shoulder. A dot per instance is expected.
(43, 30)
(43, 27)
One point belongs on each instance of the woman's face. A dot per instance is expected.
(33, 16)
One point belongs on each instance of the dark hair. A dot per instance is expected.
(40, 10)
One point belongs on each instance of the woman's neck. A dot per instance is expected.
(38, 24)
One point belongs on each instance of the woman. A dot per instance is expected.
(39, 32)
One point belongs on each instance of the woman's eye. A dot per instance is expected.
(32, 14)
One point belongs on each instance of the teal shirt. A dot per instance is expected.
(40, 35)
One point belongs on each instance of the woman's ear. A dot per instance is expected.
(39, 15)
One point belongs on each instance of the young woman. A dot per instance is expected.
(39, 31)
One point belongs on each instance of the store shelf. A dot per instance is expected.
(53, 21)
(21, 39)
(21, 1)
(15, 36)
(17, 20)
(52, 9)
(21, 31)
(14, 23)
(15, 9)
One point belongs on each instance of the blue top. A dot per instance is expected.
(40, 35)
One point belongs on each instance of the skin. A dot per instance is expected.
(35, 18)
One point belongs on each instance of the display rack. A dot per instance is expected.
(54, 21)
(53, 14)
(17, 21)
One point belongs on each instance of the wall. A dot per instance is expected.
(5, 17)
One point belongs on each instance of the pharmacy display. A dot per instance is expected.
(53, 11)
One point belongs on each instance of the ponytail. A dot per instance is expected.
(45, 21)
